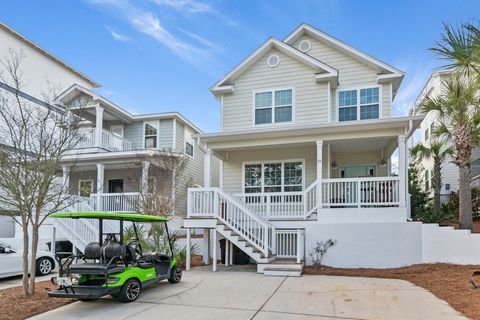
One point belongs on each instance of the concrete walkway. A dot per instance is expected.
(203, 294)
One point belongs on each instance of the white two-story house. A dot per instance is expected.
(112, 165)
(42, 75)
(433, 88)
(306, 143)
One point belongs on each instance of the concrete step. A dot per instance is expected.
(280, 264)
(282, 272)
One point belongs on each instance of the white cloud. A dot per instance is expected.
(147, 22)
(417, 73)
(190, 6)
(120, 37)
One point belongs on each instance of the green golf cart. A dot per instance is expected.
(110, 267)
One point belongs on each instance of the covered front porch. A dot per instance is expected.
(331, 178)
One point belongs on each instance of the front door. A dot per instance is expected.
(115, 186)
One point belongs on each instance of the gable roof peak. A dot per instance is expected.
(225, 85)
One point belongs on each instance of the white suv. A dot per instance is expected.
(11, 262)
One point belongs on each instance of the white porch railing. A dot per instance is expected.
(213, 202)
(361, 192)
(290, 244)
(282, 205)
(116, 202)
(87, 138)
(109, 141)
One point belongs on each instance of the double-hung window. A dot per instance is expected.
(273, 177)
(273, 106)
(150, 136)
(359, 104)
(189, 149)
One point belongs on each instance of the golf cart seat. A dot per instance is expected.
(107, 254)
(96, 268)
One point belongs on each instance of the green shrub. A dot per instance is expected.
(444, 217)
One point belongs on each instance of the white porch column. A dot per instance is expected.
(402, 170)
(231, 254)
(214, 251)
(98, 126)
(319, 173)
(100, 178)
(66, 178)
(207, 169)
(187, 266)
(144, 178)
(206, 245)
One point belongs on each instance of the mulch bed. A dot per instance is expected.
(14, 305)
(447, 281)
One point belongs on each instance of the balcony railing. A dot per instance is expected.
(109, 141)
(116, 202)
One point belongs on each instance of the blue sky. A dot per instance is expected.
(163, 55)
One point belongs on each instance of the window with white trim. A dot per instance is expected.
(150, 136)
(273, 106)
(189, 149)
(360, 104)
(273, 177)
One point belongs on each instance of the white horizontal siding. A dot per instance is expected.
(310, 98)
(165, 139)
(41, 74)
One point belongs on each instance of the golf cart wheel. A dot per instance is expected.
(130, 291)
(44, 266)
(175, 275)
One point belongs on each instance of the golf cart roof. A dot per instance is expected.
(125, 216)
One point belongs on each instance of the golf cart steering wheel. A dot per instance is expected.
(135, 244)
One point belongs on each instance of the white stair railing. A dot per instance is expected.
(213, 202)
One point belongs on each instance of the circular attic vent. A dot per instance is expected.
(304, 45)
(273, 61)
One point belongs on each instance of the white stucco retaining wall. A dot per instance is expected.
(388, 245)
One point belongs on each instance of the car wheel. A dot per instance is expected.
(175, 275)
(130, 291)
(44, 266)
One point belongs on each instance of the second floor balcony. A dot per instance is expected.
(90, 138)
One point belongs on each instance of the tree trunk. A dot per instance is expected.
(437, 185)
(25, 258)
(465, 198)
(33, 262)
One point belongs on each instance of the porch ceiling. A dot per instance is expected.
(387, 144)
(381, 131)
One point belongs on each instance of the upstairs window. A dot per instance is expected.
(150, 136)
(273, 106)
(189, 149)
(360, 104)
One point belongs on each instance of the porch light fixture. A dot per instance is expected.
(383, 163)
(334, 165)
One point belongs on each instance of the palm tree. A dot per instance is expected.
(436, 151)
(458, 112)
(458, 107)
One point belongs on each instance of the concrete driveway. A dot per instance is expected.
(203, 294)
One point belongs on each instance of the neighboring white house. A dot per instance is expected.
(43, 74)
(433, 89)
(306, 141)
(111, 164)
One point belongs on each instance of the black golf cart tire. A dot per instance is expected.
(124, 295)
(175, 275)
(44, 266)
